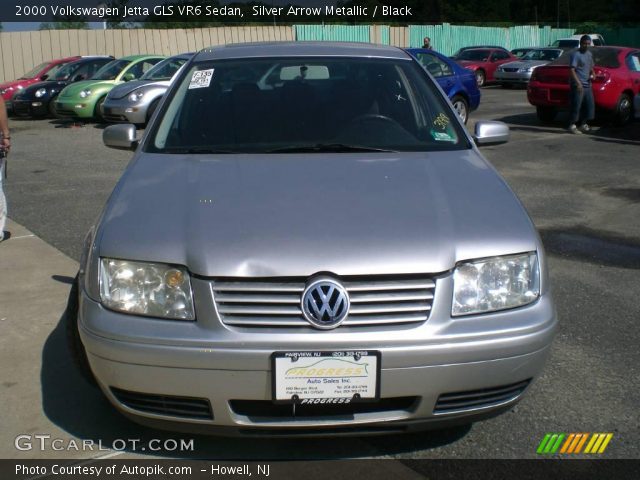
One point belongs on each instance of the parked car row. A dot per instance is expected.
(127, 89)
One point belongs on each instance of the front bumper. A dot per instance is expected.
(513, 77)
(75, 109)
(419, 362)
(31, 108)
(124, 111)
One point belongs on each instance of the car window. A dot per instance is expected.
(164, 70)
(65, 72)
(34, 71)
(597, 42)
(434, 65)
(94, 67)
(140, 68)
(546, 54)
(258, 105)
(475, 55)
(500, 55)
(111, 70)
(633, 61)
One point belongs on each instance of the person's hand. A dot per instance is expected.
(6, 143)
(580, 88)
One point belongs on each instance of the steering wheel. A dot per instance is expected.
(373, 117)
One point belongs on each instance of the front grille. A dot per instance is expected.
(65, 112)
(184, 407)
(266, 410)
(511, 70)
(278, 303)
(474, 399)
(114, 118)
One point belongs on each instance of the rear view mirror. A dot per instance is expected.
(128, 77)
(122, 137)
(490, 132)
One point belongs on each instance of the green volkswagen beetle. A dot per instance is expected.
(84, 99)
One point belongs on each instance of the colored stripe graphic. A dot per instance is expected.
(572, 443)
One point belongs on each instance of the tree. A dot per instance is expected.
(64, 26)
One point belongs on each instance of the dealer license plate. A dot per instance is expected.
(326, 377)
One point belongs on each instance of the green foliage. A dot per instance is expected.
(64, 26)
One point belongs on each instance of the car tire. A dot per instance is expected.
(461, 106)
(97, 113)
(481, 78)
(52, 108)
(152, 109)
(624, 110)
(74, 343)
(546, 114)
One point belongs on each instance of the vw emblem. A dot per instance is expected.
(325, 304)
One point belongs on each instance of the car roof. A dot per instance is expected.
(133, 58)
(298, 49)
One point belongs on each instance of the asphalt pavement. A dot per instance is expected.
(581, 191)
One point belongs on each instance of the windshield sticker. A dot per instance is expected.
(441, 121)
(201, 79)
(442, 136)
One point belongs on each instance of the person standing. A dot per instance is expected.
(581, 95)
(5, 145)
(426, 43)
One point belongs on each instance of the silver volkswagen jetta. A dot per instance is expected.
(308, 241)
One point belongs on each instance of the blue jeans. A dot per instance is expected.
(583, 107)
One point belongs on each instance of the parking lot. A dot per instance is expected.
(582, 192)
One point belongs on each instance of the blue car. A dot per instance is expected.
(457, 82)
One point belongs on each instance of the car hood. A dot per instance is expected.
(16, 84)
(125, 89)
(296, 215)
(74, 89)
(525, 63)
(32, 89)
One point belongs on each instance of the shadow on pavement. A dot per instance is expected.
(63, 279)
(81, 410)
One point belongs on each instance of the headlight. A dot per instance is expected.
(85, 93)
(495, 283)
(135, 96)
(41, 92)
(150, 289)
(527, 69)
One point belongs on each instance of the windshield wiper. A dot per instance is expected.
(328, 147)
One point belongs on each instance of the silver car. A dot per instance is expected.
(519, 72)
(135, 101)
(307, 240)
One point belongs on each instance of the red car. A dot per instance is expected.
(484, 62)
(37, 74)
(616, 83)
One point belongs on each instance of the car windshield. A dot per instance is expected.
(546, 54)
(111, 70)
(520, 52)
(288, 105)
(474, 55)
(34, 71)
(65, 71)
(566, 43)
(165, 70)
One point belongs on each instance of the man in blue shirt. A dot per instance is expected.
(581, 95)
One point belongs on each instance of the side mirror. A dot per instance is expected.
(128, 77)
(122, 137)
(44, 77)
(490, 132)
